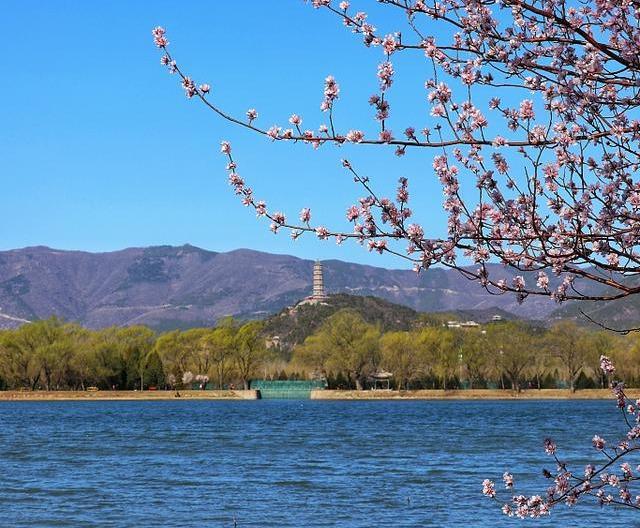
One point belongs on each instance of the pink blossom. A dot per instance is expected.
(488, 488)
(543, 280)
(415, 232)
(252, 114)
(295, 119)
(389, 44)
(189, 87)
(550, 446)
(378, 245)
(526, 109)
(386, 136)
(613, 259)
(331, 92)
(322, 233)
(499, 141)
(344, 6)
(589, 471)
(159, 38)
(385, 75)
(225, 147)
(355, 136)
(353, 213)
(518, 282)
(598, 442)
(607, 365)
(438, 111)
(205, 88)
(261, 209)
(273, 132)
(305, 215)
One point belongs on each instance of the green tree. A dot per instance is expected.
(475, 356)
(400, 355)
(32, 350)
(565, 342)
(512, 348)
(219, 345)
(135, 343)
(249, 350)
(344, 343)
(441, 349)
(352, 345)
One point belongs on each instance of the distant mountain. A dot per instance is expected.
(179, 287)
(621, 314)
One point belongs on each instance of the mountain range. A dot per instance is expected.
(179, 287)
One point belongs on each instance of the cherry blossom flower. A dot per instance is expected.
(488, 488)
(355, 136)
(598, 442)
(607, 365)
(305, 215)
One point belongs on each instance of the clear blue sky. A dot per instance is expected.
(100, 150)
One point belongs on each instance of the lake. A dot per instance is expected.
(286, 463)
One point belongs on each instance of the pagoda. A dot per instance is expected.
(318, 294)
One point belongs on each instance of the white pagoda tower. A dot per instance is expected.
(318, 283)
(318, 294)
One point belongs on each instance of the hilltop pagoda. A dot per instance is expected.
(318, 283)
(318, 294)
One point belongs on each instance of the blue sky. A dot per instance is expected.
(100, 150)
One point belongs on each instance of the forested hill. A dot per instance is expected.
(293, 326)
(169, 287)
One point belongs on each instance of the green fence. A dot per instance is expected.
(287, 389)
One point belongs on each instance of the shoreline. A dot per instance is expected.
(126, 395)
(471, 394)
(326, 395)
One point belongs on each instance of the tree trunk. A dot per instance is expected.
(358, 381)
(245, 384)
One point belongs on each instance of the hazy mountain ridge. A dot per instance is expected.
(179, 287)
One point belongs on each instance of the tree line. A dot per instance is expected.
(505, 354)
(54, 355)
(345, 350)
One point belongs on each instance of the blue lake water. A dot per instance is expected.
(286, 463)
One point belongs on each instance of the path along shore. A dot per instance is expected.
(470, 394)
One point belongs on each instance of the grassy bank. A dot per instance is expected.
(126, 395)
(475, 394)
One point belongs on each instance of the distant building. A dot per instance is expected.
(318, 294)
(496, 318)
(464, 324)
